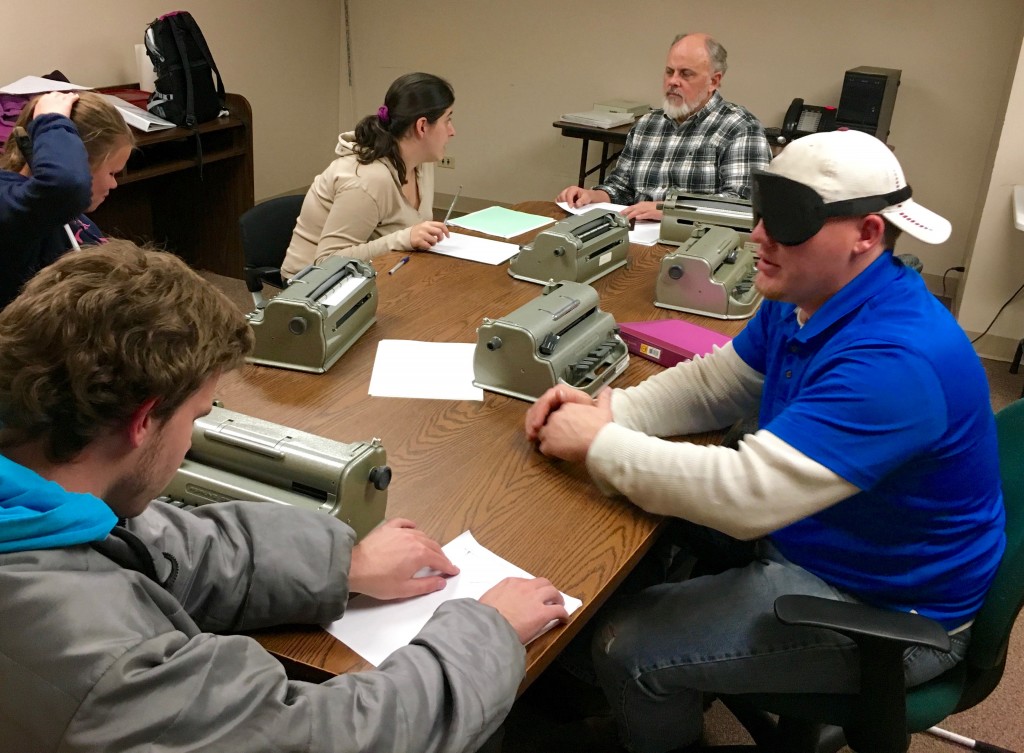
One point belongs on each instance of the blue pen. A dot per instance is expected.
(398, 266)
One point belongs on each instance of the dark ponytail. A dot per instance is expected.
(409, 98)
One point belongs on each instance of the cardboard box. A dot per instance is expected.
(669, 341)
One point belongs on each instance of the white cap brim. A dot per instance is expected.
(916, 220)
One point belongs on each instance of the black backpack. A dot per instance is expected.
(184, 67)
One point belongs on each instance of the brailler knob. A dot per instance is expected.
(494, 343)
(297, 325)
(380, 477)
(675, 272)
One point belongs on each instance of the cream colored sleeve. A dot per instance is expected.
(709, 392)
(764, 485)
(353, 217)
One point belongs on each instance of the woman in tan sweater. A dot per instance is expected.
(378, 195)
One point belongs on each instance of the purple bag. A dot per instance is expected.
(10, 108)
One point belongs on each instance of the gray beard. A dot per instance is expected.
(677, 112)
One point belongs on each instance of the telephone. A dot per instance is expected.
(801, 120)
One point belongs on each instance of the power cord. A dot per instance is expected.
(1008, 300)
(951, 269)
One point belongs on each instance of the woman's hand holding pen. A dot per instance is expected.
(58, 103)
(427, 234)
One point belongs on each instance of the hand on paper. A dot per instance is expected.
(575, 196)
(59, 103)
(568, 432)
(528, 605)
(386, 563)
(426, 234)
(645, 210)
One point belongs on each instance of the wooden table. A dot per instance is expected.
(606, 137)
(462, 465)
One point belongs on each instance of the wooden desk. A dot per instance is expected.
(606, 136)
(164, 196)
(465, 465)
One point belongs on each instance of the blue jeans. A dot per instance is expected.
(654, 652)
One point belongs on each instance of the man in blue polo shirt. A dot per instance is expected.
(873, 476)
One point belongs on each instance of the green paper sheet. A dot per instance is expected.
(501, 222)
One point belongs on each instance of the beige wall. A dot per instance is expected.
(517, 66)
(995, 267)
(284, 57)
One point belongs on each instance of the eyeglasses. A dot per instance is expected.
(793, 213)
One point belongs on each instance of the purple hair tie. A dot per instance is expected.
(382, 114)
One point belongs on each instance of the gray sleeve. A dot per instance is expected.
(447, 691)
(243, 565)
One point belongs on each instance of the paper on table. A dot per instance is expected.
(374, 629)
(471, 247)
(501, 222)
(38, 85)
(564, 206)
(439, 371)
(645, 233)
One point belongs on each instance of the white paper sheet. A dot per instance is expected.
(564, 206)
(439, 371)
(485, 250)
(38, 85)
(374, 629)
(646, 232)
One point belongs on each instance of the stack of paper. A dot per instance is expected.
(599, 118)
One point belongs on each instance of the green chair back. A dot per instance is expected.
(973, 679)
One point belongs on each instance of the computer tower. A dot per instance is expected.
(867, 100)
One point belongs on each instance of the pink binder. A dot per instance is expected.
(669, 341)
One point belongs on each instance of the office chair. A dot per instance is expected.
(266, 232)
(882, 716)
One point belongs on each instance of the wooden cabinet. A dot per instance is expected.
(185, 191)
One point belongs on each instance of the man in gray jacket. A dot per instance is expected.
(111, 604)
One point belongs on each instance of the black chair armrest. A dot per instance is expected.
(861, 620)
(882, 637)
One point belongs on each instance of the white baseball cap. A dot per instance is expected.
(846, 165)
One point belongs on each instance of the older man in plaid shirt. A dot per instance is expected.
(696, 142)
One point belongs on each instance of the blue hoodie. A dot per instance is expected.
(33, 209)
(40, 514)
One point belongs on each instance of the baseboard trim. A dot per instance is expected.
(994, 347)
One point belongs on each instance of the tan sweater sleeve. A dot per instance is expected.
(764, 485)
(746, 493)
(709, 392)
(353, 217)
